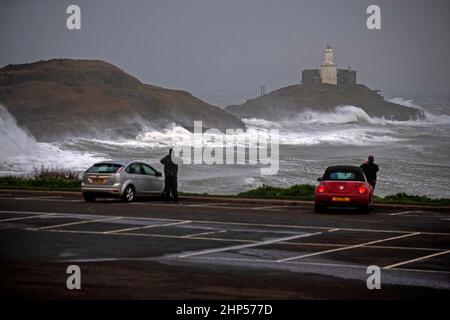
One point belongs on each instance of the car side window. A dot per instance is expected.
(135, 168)
(149, 170)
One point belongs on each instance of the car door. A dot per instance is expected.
(137, 177)
(152, 181)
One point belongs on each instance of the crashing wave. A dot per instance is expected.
(14, 140)
(346, 115)
(21, 153)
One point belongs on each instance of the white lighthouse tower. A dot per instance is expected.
(328, 71)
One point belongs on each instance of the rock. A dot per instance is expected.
(91, 98)
(289, 101)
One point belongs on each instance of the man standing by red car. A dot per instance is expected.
(370, 170)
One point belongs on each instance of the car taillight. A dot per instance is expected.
(362, 189)
(321, 188)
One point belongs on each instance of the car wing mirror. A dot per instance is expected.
(319, 179)
(158, 174)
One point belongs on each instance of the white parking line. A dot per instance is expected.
(287, 226)
(257, 244)
(289, 262)
(24, 218)
(183, 237)
(29, 212)
(402, 213)
(434, 216)
(239, 240)
(336, 245)
(204, 233)
(338, 265)
(420, 270)
(148, 227)
(250, 243)
(75, 223)
(152, 235)
(347, 248)
(417, 259)
(198, 237)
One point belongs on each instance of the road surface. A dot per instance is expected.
(204, 250)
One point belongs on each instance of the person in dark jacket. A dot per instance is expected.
(370, 170)
(170, 174)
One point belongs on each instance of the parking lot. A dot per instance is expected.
(195, 249)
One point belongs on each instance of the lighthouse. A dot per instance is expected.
(328, 70)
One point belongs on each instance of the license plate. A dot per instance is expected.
(98, 180)
(345, 199)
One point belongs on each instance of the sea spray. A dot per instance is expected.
(14, 140)
(20, 152)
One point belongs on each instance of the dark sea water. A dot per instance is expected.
(413, 156)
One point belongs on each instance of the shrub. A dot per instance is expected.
(298, 191)
(42, 177)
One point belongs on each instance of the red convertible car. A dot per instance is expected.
(343, 186)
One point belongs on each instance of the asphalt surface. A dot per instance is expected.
(204, 250)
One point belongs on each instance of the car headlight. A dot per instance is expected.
(117, 184)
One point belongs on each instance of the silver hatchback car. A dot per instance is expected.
(121, 178)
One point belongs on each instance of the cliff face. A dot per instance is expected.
(289, 101)
(64, 97)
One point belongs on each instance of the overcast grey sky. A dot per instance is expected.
(231, 47)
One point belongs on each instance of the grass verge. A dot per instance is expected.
(62, 180)
(43, 179)
(306, 192)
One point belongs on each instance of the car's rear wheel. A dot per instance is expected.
(128, 194)
(319, 208)
(89, 197)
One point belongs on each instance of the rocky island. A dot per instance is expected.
(290, 101)
(322, 90)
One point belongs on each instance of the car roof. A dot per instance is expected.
(360, 176)
(119, 161)
(343, 167)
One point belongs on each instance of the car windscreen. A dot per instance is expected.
(344, 175)
(104, 168)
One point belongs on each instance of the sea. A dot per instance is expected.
(413, 156)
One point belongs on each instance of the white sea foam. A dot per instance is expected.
(340, 115)
(179, 136)
(14, 141)
(346, 125)
(403, 102)
(347, 115)
(430, 118)
(20, 152)
(172, 136)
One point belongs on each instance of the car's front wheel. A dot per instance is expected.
(128, 194)
(89, 197)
